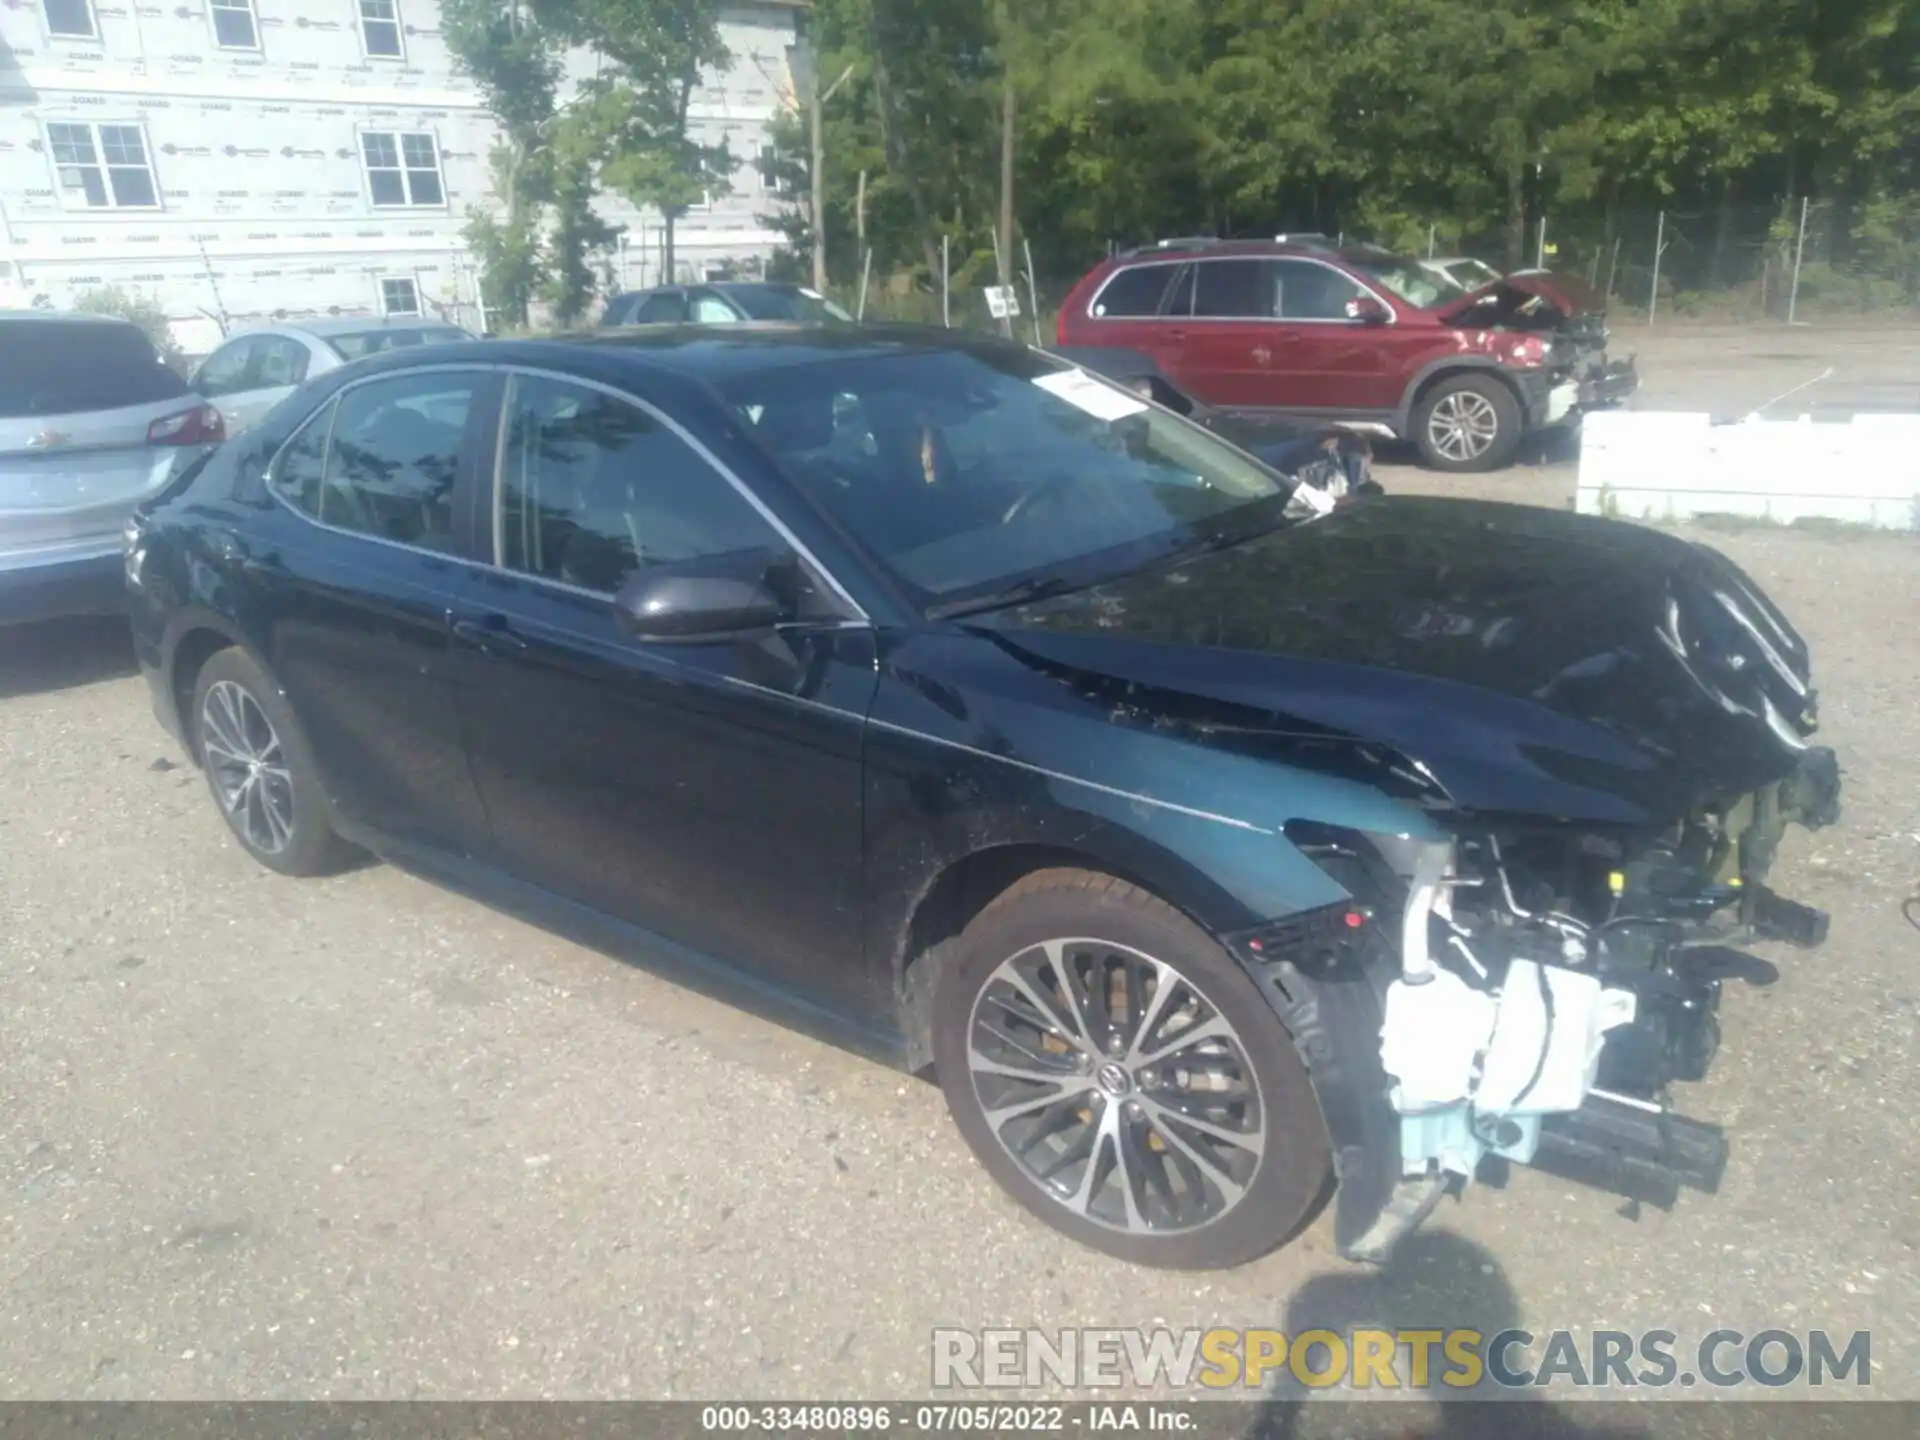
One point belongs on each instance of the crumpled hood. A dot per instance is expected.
(1529, 661)
(1567, 294)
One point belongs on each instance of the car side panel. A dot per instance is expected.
(970, 748)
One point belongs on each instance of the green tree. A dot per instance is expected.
(514, 60)
(632, 117)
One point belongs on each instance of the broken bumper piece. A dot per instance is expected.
(1633, 1149)
(1607, 383)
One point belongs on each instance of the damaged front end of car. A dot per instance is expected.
(1536, 989)
(1546, 764)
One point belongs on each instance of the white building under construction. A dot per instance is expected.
(238, 160)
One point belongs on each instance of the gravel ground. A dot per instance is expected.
(362, 1138)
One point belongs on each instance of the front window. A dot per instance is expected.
(403, 169)
(967, 472)
(1408, 280)
(593, 489)
(103, 167)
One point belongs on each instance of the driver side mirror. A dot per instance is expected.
(1368, 311)
(698, 602)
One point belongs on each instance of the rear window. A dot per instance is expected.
(68, 368)
(373, 342)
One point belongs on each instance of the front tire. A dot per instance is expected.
(260, 768)
(1467, 424)
(1119, 1075)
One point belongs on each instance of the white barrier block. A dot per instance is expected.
(1658, 465)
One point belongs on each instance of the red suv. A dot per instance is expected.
(1358, 336)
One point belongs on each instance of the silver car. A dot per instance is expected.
(255, 370)
(92, 422)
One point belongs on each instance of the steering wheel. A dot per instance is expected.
(1057, 480)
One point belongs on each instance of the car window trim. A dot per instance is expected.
(1393, 315)
(857, 617)
(270, 477)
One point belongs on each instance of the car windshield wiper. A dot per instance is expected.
(1252, 520)
(1039, 588)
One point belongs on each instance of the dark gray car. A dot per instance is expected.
(723, 302)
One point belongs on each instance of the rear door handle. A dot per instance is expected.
(1176, 336)
(492, 633)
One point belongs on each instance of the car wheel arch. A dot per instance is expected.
(971, 882)
(196, 640)
(1449, 368)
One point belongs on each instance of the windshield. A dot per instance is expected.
(1409, 280)
(373, 342)
(968, 472)
(766, 302)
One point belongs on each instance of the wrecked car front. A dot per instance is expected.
(1545, 762)
(1564, 314)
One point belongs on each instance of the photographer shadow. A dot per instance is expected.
(1439, 1281)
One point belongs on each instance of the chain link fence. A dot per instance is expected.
(1796, 260)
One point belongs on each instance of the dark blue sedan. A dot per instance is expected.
(1206, 839)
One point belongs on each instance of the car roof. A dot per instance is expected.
(783, 287)
(326, 326)
(63, 317)
(1228, 249)
(706, 353)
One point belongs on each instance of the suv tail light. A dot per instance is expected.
(201, 425)
(1529, 352)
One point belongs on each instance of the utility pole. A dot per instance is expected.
(1003, 252)
(1799, 252)
(804, 66)
(817, 175)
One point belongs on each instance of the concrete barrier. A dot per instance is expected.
(1654, 465)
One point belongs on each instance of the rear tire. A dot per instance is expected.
(260, 768)
(1467, 424)
(1194, 1153)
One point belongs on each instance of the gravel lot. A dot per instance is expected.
(362, 1138)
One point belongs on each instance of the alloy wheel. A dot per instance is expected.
(248, 765)
(1117, 1085)
(1463, 426)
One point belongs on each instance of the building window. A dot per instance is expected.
(233, 25)
(399, 296)
(71, 17)
(380, 28)
(103, 167)
(775, 176)
(402, 169)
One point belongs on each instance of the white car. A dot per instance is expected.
(1462, 270)
(255, 370)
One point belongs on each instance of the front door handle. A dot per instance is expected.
(492, 633)
(1177, 336)
(1261, 355)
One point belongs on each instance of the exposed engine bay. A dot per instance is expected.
(1553, 984)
